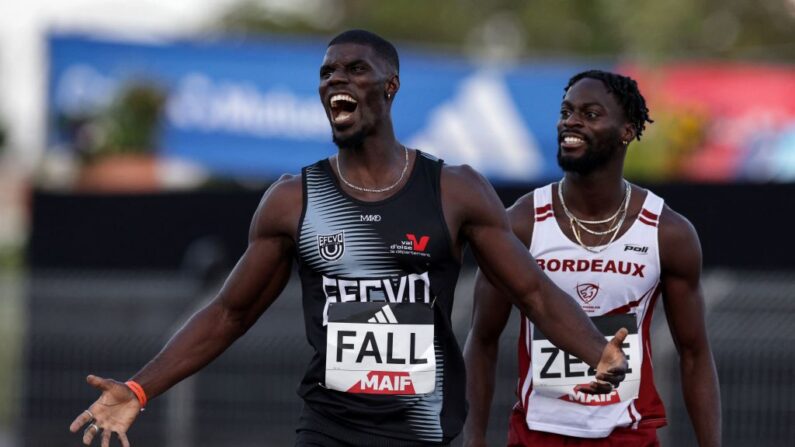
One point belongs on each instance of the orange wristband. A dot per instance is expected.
(138, 391)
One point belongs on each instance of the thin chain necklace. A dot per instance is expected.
(627, 192)
(582, 222)
(362, 189)
(597, 248)
(576, 223)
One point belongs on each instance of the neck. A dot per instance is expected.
(372, 154)
(376, 163)
(596, 194)
(378, 143)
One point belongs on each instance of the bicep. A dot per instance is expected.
(257, 279)
(264, 268)
(685, 311)
(502, 257)
(490, 311)
(681, 286)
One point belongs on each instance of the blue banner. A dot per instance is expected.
(252, 109)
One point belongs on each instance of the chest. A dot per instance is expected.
(622, 274)
(340, 236)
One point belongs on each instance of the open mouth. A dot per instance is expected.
(342, 106)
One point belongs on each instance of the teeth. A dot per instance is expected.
(341, 97)
(572, 140)
(342, 116)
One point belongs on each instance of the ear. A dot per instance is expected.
(392, 86)
(628, 133)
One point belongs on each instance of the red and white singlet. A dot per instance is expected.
(617, 287)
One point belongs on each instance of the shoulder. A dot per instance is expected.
(279, 208)
(469, 199)
(464, 177)
(521, 215)
(468, 190)
(523, 206)
(287, 188)
(676, 229)
(679, 244)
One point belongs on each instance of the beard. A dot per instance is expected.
(597, 155)
(353, 141)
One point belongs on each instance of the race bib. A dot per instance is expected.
(380, 348)
(558, 374)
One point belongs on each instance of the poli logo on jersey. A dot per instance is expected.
(331, 246)
(559, 375)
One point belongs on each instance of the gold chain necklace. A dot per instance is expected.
(363, 189)
(576, 223)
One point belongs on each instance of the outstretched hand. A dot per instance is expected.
(612, 367)
(114, 412)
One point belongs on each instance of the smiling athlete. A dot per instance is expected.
(378, 231)
(616, 248)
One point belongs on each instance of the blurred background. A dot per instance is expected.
(136, 138)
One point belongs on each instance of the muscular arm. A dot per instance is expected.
(256, 281)
(680, 256)
(489, 316)
(506, 263)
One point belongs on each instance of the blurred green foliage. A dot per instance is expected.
(660, 155)
(128, 125)
(641, 29)
(134, 119)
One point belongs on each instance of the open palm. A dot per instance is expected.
(114, 412)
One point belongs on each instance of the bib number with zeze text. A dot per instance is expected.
(558, 374)
(380, 348)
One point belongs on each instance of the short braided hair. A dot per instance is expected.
(625, 89)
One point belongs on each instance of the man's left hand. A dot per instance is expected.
(612, 367)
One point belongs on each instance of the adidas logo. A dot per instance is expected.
(384, 315)
(482, 126)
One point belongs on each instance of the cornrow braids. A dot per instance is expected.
(625, 89)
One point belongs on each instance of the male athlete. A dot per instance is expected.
(615, 248)
(378, 231)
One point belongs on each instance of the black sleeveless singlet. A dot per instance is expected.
(378, 280)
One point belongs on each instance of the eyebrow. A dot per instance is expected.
(357, 61)
(347, 64)
(587, 104)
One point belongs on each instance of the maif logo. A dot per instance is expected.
(418, 245)
(331, 246)
(587, 292)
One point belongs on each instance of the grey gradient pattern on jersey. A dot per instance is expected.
(366, 256)
(425, 411)
(329, 212)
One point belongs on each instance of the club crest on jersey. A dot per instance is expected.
(331, 246)
(587, 292)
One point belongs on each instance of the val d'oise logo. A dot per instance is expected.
(418, 245)
(587, 292)
(413, 245)
(331, 246)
